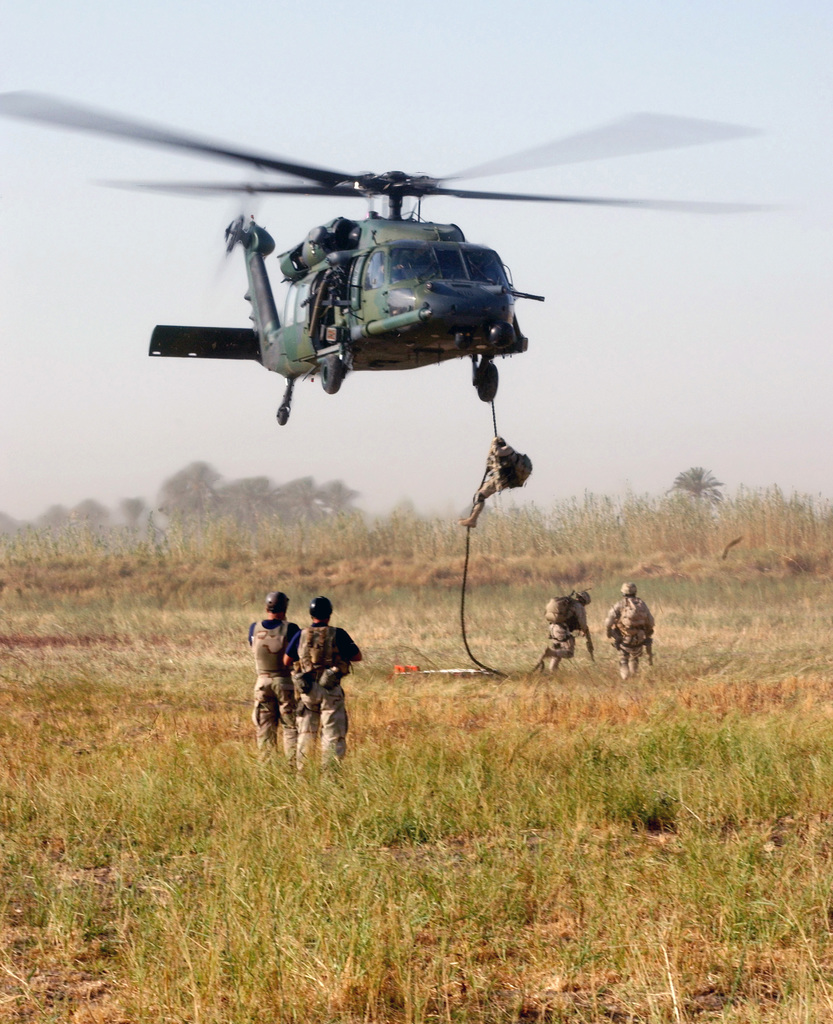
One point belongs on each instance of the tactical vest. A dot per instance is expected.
(317, 649)
(268, 646)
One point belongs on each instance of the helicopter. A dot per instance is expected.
(388, 292)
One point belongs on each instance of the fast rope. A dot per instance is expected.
(486, 668)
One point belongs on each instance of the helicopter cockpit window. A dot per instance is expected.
(408, 262)
(374, 275)
(485, 266)
(450, 262)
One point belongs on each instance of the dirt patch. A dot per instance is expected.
(107, 641)
(34, 640)
(78, 995)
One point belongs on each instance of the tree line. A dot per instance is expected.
(198, 492)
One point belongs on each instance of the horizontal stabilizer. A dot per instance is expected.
(205, 342)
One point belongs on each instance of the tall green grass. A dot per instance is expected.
(474, 860)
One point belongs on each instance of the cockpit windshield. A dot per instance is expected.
(484, 265)
(409, 262)
(421, 260)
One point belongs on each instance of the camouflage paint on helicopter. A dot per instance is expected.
(374, 295)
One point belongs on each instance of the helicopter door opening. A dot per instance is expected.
(296, 301)
(356, 283)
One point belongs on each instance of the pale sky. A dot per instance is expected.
(666, 340)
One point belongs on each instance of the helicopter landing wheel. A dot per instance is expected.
(486, 380)
(332, 372)
(286, 404)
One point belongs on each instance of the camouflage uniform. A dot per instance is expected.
(274, 693)
(630, 627)
(322, 656)
(562, 646)
(566, 616)
(504, 468)
(318, 676)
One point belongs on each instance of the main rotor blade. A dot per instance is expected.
(637, 133)
(675, 206)
(249, 188)
(30, 106)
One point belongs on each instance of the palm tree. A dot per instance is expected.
(700, 484)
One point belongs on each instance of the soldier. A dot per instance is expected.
(630, 627)
(566, 616)
(322, 655)
(274, 692)
(504, 468)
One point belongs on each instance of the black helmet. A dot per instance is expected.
(276, 601)
(320, 608)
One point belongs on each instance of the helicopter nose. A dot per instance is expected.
(466, 302)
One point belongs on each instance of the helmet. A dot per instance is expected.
(276, 601)
(628, 590)
(583, 597)
(320, 608)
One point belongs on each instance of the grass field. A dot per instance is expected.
(493, 849)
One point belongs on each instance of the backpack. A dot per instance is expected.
(515, 471)
(634, 616)
(559, 610)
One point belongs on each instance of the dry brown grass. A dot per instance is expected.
(530, 848)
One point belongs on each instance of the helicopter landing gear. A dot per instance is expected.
(286, 403)
(332, 372)
(484, 377)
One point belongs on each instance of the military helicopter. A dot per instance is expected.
(389, 292)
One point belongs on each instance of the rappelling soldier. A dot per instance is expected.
(274, 695)
(566, 616)
(630, 628)
(320, 657)
(504, 468)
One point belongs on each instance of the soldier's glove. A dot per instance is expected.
(330, 678)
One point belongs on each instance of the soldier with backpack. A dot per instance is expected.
(630, 627)
(504, 468)
(321, 656)
(566, 616)
(274, 696)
